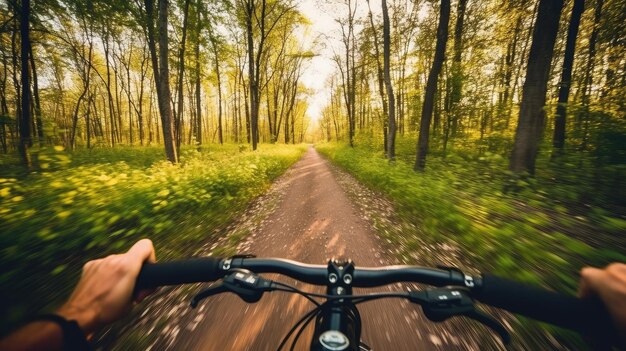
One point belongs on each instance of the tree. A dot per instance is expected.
(380, 76)
(26, 140)
(456, 79)
(431, 86)
(215, 45)
(160, 68)
(260, 22)
(588, 75)
(531, 116)
(181, 75)
(348, 72)
(198, 84)
(558, 140)
(252, 76)
(391, 138)
(37, 105)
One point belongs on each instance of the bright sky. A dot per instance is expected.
(322, 15)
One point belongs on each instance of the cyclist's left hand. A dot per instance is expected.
(104, 293)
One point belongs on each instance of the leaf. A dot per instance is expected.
(58, 269)
(4, 192)
(64, 214)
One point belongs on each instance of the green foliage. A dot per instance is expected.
(56, 219)
(541, 233)
(520, 235)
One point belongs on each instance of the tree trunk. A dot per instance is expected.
(87, 120)
(198, 126)
(391, 138)
(40, 134)
(164, 83)
(4, 107)
(504, 106)
(456, 88)
(86, 84)
(118, 104)
(105, 42)
(431, 86)
(518, 72)
(254, 108)
(140, 117)
(351, 69)
(130, 99)
(558, 140)
(198, 97)
(220, 131)
(531, 117)
(25, 132)
(181, 74)
(246, 108)
(588, 81)
(161, 74)
(381, 80)
(16, 82)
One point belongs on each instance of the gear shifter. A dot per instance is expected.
(247, 285)
(440, 304)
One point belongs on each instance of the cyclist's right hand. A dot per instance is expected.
(609, 284)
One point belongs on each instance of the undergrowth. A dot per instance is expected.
(85, 205)
(511, 234)
(528, 235)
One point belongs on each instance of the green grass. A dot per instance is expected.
(88, 204)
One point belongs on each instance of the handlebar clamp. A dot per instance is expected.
(340, 276)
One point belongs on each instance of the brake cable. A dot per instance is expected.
(437, 304)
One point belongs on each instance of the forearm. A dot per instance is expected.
(104, 294)
(40, 335)
(49, 335)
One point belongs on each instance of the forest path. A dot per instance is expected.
(314, 220)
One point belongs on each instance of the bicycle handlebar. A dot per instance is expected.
(195, 270)
(211, 268)
(584, 316)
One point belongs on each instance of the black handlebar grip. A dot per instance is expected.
(194, 270)
(588, 317)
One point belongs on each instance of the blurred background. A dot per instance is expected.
(496, 129)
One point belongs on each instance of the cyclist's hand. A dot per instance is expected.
(609, 284)
(104, 293)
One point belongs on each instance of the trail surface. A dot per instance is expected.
(314, 219)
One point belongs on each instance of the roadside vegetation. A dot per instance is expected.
(528, 230)
(540, 231)
(90, 203)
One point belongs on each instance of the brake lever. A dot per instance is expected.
(210, 291)
(490, 322)
(440, 304)
(245, 284)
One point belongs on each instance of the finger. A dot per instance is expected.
(590, 282)
(90, 265)
(616, 269)
(141, 295)
(142, 251)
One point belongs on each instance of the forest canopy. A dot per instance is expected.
(90, 73)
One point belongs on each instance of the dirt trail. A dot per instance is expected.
(313, 221)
